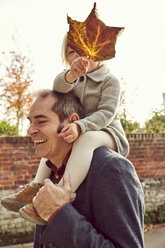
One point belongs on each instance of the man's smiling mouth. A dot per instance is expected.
(39, 141)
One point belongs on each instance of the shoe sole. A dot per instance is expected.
(13, 205)
(26, 217)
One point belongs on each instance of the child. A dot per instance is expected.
(99, 93)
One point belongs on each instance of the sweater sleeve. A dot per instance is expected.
(117, 209)
(107, 108)
(108, 105)
(61, 85)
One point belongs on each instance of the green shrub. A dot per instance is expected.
(6, 129)
(155, 216)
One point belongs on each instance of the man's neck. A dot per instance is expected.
(58, 159)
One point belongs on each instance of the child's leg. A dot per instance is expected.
(42, 172)
(82, 152)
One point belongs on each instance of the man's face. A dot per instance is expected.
(44, 124)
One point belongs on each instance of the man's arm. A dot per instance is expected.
(117, 209)
(72, 230)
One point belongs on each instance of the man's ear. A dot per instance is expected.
(73, 117)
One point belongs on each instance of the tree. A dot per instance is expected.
(6, 129)
(15, 84)
(128, 125)
(156, 124)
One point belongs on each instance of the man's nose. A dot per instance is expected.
(32, 130)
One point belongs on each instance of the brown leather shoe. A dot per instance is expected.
(29, 213)
(22, 198)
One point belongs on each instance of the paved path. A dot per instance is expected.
(28, 245)
(153, 239)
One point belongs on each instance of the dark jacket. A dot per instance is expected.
(108, 211)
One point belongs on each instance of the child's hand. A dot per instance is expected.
(70, 132)
(78, 68)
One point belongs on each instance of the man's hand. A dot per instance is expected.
(50, 197)
(70, 132)
(78, 68)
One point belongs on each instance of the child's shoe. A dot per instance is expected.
(22, 198)
(29, 213)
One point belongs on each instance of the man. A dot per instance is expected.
(109, 207)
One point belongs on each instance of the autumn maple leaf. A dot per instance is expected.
(92, 38)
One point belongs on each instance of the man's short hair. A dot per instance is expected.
(66, 104)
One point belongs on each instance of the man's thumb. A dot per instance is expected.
(47, 180)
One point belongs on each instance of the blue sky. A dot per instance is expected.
(40, 25)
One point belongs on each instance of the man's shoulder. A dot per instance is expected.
(103, 153)
(104, 157)
(113, 167)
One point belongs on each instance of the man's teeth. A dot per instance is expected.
(39, 141)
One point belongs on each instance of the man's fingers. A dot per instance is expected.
(34, 198)
(47, 181)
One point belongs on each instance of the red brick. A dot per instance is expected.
(18, 163)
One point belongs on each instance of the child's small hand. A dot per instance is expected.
(70, 132)
(78, 68)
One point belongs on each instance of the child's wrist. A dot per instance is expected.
(69, 78)
(78, 129)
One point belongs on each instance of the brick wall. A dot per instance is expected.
(18, 162)
(13, 228)
(18, 165)
(147, 153)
